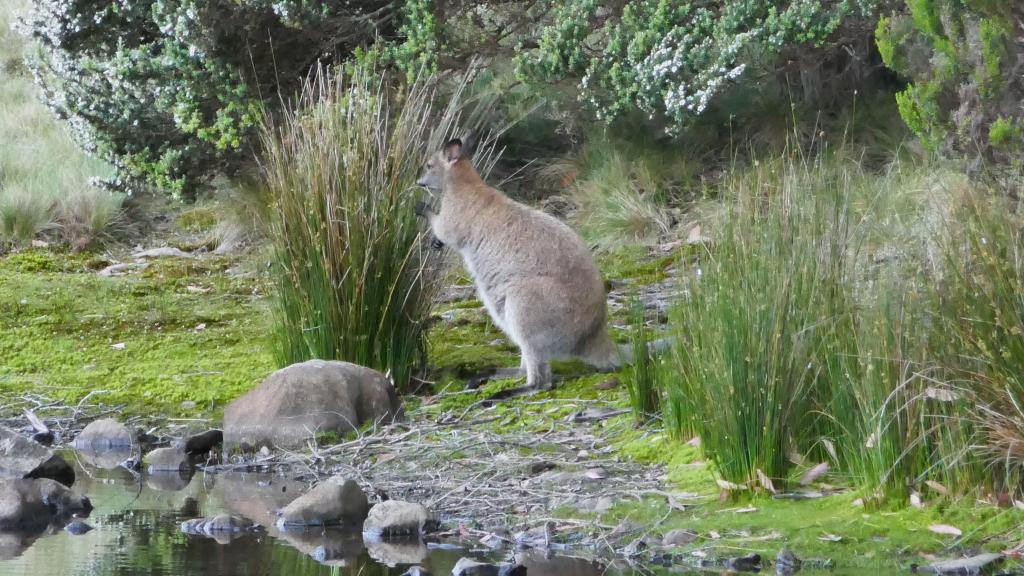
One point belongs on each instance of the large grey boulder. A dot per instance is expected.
(336, 501)
(23, 458)
(393, 518)
(303, 399)
(30, 503)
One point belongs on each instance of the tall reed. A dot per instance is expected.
(355, 279)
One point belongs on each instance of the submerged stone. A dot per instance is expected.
(335, 501)
(394, 518)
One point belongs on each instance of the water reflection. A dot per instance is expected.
(136, 531)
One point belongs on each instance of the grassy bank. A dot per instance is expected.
(46, 185)
(179, 330)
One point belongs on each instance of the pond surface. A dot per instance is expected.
(136, 531)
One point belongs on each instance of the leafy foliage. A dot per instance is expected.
(170, 91)
(669, 58)
(964, 59)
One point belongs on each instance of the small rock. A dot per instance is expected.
(166, 460)
(542, 466)
(786, 563)
(471, 567)
(188, 405)
(201, 444)
(23, 458)
(105, 433)
(219, 523)
(679, 537)
(397, 518)
(416, 571)
(334, 501)
(980, 564)
(162, 252)
(748, 563)
(77, 528)
(45, 438)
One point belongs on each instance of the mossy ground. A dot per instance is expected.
(61, 321)
(182, 329)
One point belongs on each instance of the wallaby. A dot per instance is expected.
(532, 272)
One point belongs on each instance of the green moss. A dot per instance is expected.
(196, 219)
(1003, 133)
(635, 263)
(182, 330)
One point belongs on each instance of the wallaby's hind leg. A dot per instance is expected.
(538, 372)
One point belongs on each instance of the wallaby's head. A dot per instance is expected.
(439, 164)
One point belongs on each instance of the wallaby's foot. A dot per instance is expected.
(486, 376)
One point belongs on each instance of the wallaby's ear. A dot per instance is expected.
(469, 142)
(453, 150)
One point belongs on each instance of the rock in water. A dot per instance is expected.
(106, 444)
(332, 502)
(396, 518)
(748, 563)
(326, 396)
(23, 458)
(222, 528)
(200, 444)
(104, 434)
(980, 564)
(77, 527)
(166, 460)
(786, 563)
(28, 503)
(471, 567)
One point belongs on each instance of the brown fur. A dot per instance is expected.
(532, 272)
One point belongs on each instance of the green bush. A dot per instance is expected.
(961, 58)
(170, 91)
(671, 59)
(355, 279)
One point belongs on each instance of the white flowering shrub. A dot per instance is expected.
(670, 58)
(170, 91)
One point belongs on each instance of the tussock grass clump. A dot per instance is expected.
(355, 279)
(45, 179)
(809, 333)
(753, 329)
(981, 304)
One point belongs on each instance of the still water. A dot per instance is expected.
(136, 532)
